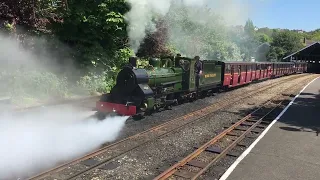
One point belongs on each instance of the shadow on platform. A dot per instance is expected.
(302, 116)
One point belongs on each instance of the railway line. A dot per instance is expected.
(230, 141)
(102, 157)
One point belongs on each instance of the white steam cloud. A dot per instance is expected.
(38, 54)
(140, 18)
(31, 143)
(142, 13)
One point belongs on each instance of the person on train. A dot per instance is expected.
(198, 70)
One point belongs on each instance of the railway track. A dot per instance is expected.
(102, 157)
(228, 142)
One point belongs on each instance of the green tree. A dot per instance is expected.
(207, 38)
(249, 28)
(262, 38)
(246, 40)
(266, 31)
(283, 44)
(314, 35)
(95, 30)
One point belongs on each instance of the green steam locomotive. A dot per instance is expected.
(164, 82)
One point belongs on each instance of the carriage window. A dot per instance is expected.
(253, 67)
(228, 68)
(243, 68)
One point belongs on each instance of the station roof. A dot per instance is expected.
(311, 50)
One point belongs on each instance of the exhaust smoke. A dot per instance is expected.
(34, 142)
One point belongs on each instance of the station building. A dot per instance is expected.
(309, 54)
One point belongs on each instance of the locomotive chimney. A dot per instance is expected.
(133, 61)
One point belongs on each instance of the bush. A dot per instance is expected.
(94, 82)
(39, 86)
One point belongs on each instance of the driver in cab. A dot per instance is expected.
(198, 70)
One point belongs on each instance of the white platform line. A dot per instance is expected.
(247, 151)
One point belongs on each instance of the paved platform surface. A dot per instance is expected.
(291, 148)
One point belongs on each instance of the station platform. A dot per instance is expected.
(290, 148)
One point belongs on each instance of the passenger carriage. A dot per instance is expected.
(263, 70)
(282, 68)
(238, 73)
(300, 67)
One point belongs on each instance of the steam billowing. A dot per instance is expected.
(34, 142)
(140, 17)
(33, 54)
(217, 15)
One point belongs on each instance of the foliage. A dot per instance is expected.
(33, 84)
(263, 38)
(246, 40)
(249, 28)
(95, 30)
(268, 32)
(155, 42)
(207, 37)
(313, 35)
(93, 82)
(121, 57)
(284, 43)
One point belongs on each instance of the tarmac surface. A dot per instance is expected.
(290, 150)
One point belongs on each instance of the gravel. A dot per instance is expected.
(145, 161)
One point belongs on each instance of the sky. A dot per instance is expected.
(286, 14)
